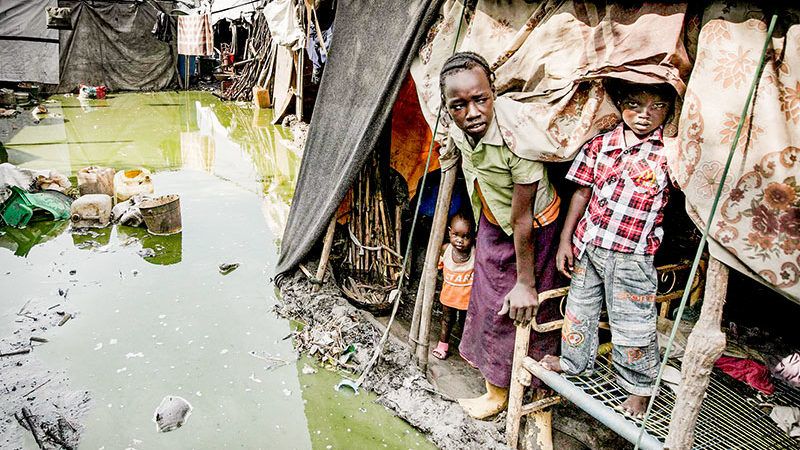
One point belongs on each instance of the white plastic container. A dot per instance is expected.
(128, 183)
(91, 211)
(96, 180)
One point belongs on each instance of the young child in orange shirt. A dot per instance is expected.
(457, 265)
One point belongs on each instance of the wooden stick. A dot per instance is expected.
(705, 345)
(21, 351)
(326, 253)
(26, 414)
(448, 181)
(516, 389)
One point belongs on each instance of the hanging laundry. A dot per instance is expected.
(284, 25)
(162, 29)
(787, 418)
(751, 372)
(195, 36)
(788, 369)
(317, 49)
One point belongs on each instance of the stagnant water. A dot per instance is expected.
(171, 324)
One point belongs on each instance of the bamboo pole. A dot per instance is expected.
(705, 345)
(326, 253)
(415, 320)
(431, 263)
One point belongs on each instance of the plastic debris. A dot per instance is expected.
(172, 413)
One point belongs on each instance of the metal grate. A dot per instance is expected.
(729, 419)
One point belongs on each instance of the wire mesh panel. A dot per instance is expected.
(731, 417)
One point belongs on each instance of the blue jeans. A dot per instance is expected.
(627, 282)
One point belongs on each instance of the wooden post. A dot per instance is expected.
(705, 345)
(431, 262)
(517, 388)
(326, 253)
(299, 92)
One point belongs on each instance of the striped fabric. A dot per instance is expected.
(195, 36)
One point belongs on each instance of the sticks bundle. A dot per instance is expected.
(254, 71)
(374, 230)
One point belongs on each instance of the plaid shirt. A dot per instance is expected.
(629, 192)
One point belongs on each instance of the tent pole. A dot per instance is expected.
(705, 346)
(299, 96)
(432, 260)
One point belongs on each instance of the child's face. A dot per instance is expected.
(469, 99)
(461, 235)
(643, 112)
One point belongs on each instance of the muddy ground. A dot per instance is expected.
(399, 383)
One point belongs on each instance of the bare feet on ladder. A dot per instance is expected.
(634, 406)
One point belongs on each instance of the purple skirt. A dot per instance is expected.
(488, 339)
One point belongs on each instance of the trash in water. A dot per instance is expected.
(128, 183)
(146, 252)
(91, 211)
(347, 383)
(226, 268)
(308, 370)
(23, 207)
(273, 361)
(96, 180)
(128, 212)
(162, 215)
(98, 92)
(172, 413)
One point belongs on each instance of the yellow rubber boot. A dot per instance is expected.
(492, 402)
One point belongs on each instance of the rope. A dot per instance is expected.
(396, 292)
(707, 228)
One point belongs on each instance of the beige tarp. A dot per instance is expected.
(550, 55)
(757, 229)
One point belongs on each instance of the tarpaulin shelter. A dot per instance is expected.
(552, 56)
(111, 44)
(369, 59)
(28, 49)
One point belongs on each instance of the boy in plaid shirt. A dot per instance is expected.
(608, 254)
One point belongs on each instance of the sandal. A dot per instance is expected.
(440, 352)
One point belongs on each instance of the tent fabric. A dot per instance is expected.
(369, 59)
(411, 138)
(551, 55)
(28, 49)
(757, 227)
(111, 44)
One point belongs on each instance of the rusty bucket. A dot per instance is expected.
(162, 215)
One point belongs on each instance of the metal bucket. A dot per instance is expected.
(162, 215)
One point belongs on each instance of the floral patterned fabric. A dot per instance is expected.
(757, 227)
(550, 55)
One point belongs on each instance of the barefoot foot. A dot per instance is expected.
(552, 363)
(634, 406)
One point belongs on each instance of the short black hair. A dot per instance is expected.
(619, 90)
(466, 216)
(464, 61)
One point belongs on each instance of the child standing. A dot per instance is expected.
(457, 265)
(516, 211)
(622, 177)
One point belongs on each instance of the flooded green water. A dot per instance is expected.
(171, 324)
